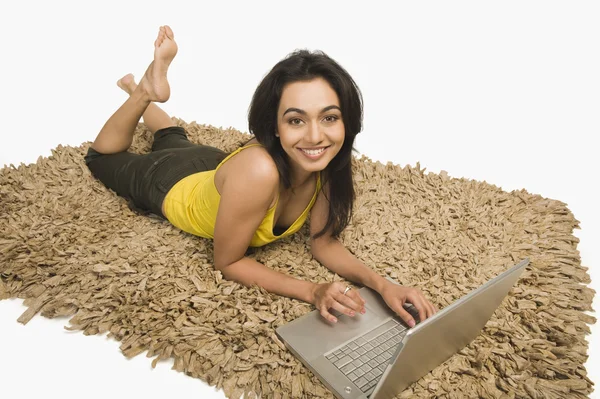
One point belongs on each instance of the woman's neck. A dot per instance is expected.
(299, 177)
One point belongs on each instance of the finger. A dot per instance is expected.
(348, 303)
(343, 309)
(417, 302)
(404, 315)
(357, 298)
(353, 301)
(432, 310)
(328, 316)
(423, 308)
(427, 308)
(421, 303)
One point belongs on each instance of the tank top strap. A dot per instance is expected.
(234, 153)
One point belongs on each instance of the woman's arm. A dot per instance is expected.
(335, 256)
(248, 272)
(332, 254)
(246, 195)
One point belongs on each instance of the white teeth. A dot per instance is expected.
(314, 152)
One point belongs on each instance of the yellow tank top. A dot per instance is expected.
(192, 205)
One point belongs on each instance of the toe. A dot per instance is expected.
(169, 32)
(128, 79)
(160, 36)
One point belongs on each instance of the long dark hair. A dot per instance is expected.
(303, 65)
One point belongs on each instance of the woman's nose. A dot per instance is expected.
(315, 133)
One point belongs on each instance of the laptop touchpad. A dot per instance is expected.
(375, 304)
(331, 335)
(313, 335)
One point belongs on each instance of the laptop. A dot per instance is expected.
(376, 355)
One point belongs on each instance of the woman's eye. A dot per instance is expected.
(328, 118)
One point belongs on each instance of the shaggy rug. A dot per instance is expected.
(71, 247)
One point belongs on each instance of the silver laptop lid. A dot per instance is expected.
(433, 341)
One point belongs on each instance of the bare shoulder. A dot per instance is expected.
(252, 168)
(256, 163)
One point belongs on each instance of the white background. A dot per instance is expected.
(505, 92)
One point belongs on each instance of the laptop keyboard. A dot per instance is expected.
(365, 359)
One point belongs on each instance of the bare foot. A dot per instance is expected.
(155, 82)
(127, 83)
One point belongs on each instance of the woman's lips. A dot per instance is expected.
(314, 156)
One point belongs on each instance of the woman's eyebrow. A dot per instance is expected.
(303, 112)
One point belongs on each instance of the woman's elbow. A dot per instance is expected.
(220, 264)
(317, 246)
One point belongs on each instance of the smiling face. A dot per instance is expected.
(309, 124)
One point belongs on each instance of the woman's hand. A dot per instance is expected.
(396, 295)
(331, 295)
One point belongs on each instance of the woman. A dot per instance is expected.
(304, 115)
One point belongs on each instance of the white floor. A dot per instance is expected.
(506, 93)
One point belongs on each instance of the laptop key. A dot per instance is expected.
(343, 361)
(361, 382)
(370, 375)
(364, 358)
(373, 363)
(359, 372)
(347, 368)
(368, 346)
(352, 345)
(377, 331)
(353, 377)
(354, 355)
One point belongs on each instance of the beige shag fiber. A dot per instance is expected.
(71, 247)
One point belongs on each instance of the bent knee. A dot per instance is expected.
(91, 155)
